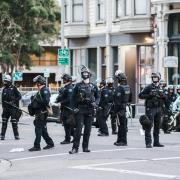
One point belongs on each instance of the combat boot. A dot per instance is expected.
(158, 145)
(73, 151)
(86, 150)
(34, 149)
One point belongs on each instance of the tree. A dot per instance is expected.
(27, 22)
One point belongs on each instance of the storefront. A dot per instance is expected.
(174, 46)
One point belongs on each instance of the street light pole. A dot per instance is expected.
(62, 67)
(62, 23)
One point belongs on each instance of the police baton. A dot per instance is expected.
(73, 110)
(15, 107)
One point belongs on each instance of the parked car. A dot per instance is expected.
(55, 108)
(26, 98)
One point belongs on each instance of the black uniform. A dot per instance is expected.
(84, 97)
(105, 105)
(154, 105)
(170, 98)
(39, 103)
(11, 95)
(122, 96)
(66, 114)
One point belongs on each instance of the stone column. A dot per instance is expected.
(99, 62)
(162, 37)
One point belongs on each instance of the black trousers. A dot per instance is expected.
(154, 114)
(41, 130)
(122, 126)
(6, 114)
(103, 122)
(82, 119)
(68, 124)
(113, 118)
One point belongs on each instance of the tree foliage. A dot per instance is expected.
(23, 24)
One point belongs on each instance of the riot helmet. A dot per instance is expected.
(109, 81)
(39, 80)
(121, 77)
(178, 89)
(171, 89)
(162, 83)
(155, 76)
(85, 72)
(66, 78)
(102, 84)
(7, 80)
(145, 122)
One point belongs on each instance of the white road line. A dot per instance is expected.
(63, 154)
(123, 171)
(106, 164)
(123, 162)
(98, 151)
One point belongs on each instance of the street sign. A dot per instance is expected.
(46, 73)
(171, 61)
(18, 76)
(63, 56)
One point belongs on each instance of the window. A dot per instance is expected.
(66, 11)
(101, 10)
(127, 7)
(146, 65)
(77, 10)
(140, 7)
(119, 9)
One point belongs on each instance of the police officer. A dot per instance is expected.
(66, 113)
(113, 117)
(10, 96)
(170, 98)
(101, 85)
(105, 105)
(178, 90)
(122, 96)
(39, 104)
(163, 84)
(154, 102)
(84, 98)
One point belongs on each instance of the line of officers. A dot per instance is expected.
(79, 103)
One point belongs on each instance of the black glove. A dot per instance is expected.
(94, 105)
(75, 111)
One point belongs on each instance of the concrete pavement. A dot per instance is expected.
(106, 161)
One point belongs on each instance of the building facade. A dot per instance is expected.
(167, 36)
(109, 35)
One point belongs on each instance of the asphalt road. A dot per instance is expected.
(106, 161)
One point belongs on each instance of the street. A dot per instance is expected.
(105, 161)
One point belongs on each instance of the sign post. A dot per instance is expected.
(46, 75)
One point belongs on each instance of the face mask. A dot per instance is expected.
(86, 81)
(85, 75)
(155, 79)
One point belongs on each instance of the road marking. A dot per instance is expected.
(123, 162)
(97, 151)
(63, 154)
(123, 171)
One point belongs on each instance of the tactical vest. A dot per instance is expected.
(122, 95)
(85, 93)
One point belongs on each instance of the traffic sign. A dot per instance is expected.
(63, 56)
(171, 61)
(18, 76)
(46, 73)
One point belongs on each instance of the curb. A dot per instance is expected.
(4, 165)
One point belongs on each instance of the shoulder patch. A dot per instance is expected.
(70, 90)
